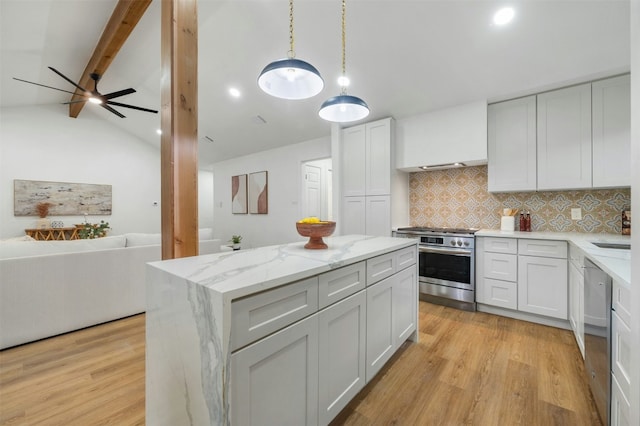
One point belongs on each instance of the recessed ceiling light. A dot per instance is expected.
(234, 92)
(159, 131)
(503, 16)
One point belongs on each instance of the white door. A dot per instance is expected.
(312, 191)
(542, 286)
(342, 339)
(380, 339)
(275, 380)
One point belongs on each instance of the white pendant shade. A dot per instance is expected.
(343, 109)
(290, 79)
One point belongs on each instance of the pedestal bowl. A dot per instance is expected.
(315, 232)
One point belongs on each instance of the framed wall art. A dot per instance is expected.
(65, 199)
(258, 193)
(239, 194)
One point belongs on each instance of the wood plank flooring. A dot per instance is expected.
(468, 369)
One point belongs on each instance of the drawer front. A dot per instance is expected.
(500, 266)
(406, 257)
(500, 245)
(543, 248)
(620, 407)
(621, 299)
(380, 267)
(336, 285)
(260, 315)
(500, 293)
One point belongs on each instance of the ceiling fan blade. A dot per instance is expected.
(119, 93)
(74, 102)
(38, 84)
(63, 76)
(132, 107)
(108, 108)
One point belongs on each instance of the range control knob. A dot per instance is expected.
(459, 242)
(466, 243)
(452, 242)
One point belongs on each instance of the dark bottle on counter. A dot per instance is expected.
(523, 222)
(527, 222)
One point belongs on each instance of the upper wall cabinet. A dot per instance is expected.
(512, 145)
(572, 138)
(611, 100)
(564, 138)
(452, 135)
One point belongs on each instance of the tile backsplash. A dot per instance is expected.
(459, 198)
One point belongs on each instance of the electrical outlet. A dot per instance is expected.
(576, 214)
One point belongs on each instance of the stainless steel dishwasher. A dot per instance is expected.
(597, 336)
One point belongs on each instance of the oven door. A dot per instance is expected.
(452, 267)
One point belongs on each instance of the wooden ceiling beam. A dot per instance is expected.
(123, 20)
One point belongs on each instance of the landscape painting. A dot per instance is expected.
(65, 199)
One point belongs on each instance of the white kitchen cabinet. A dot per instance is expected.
(354, 215)
(378, 215)
(621, 356)
(620, 407)
(512, 145)
(275, 380)
(405, 306)
(542, 286)
(354, 161)
(576, 304)
(621, 301)
(340, 283)
(380, 332)
(499, 266)
(503, 294)
(564, 138)
(611, 132)
(342, 361)
(497, 272)
(378, 157)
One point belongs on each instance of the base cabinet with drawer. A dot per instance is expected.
(524, 275)
(621, 355)
(308, 372)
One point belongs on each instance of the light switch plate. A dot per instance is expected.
(576, 214)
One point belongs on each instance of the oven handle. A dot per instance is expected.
(454, 252)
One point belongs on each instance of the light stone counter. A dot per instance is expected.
(189, 313)
(615, 262)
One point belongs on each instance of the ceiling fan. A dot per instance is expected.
(94, 96)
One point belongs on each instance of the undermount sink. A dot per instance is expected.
(619, 246)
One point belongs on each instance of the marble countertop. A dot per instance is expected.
(244, 272)
(615, 262)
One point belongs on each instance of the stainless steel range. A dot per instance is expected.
(446, 264)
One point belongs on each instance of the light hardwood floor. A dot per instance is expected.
(468, 369)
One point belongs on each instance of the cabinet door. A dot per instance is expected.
(542, 286)
(342, 362)
(564, 138)
(353, 161)
(621, 357)
(353, 216)
(405, 305)
(378, 157)
(512, 145)
(611, 132)
(576, 305)
(378, 216)
(498, 293)
(620, 407)
(500, 266)
(275, 380)
(380, 339)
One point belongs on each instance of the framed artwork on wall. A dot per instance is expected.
(239, 194)
(258, 193)
(63, 198)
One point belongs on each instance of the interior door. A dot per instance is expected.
(312, 191)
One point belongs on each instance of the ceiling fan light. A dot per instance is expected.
(95, 100)
(290, 78)
(343, 109)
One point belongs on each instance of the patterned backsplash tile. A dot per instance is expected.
(459, 198)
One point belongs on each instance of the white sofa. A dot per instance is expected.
(53, 287)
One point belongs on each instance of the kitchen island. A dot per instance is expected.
(278, 334)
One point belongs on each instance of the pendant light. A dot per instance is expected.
(290, 78)
(344, 108)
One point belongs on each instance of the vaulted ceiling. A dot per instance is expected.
(403, 58)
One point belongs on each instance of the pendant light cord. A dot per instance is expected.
(292, 52)
(344, 48)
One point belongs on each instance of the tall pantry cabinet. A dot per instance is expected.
(369, 182)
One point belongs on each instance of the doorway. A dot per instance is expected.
(316, 178)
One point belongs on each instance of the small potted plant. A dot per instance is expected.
(93, 230)
(235, 240)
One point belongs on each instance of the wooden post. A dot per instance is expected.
(179, 118)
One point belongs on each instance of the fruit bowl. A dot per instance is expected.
(315, 232)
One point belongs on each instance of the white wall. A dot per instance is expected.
(283, 166)
(635, 219)
(43, 143)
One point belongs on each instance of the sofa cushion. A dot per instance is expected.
(12, 249)
(205, 234)
(135, 239)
